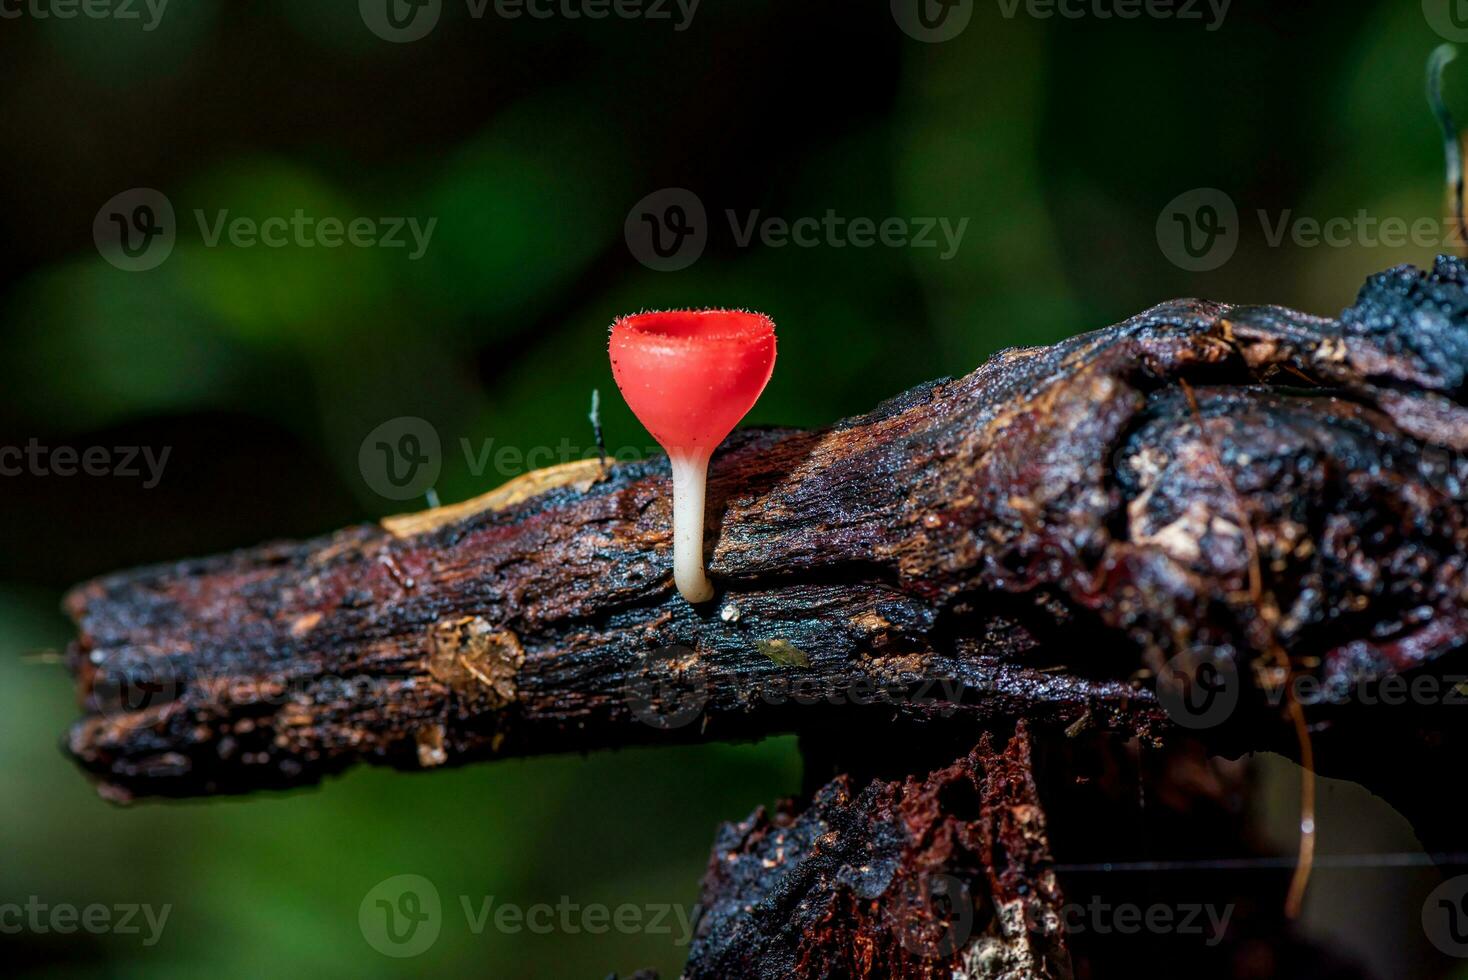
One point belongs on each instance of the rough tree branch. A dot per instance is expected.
(1028, 541)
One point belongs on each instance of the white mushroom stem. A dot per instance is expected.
(690, 479)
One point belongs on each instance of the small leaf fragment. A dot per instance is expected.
(783, 652)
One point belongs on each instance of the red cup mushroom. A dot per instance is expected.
(690, 376)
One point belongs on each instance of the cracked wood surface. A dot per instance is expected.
(946, 874)
(1033, 540)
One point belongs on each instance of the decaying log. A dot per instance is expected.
(995, 865)
(941, 876)
(1033, 540)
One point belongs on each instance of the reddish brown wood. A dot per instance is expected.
(1040, 536)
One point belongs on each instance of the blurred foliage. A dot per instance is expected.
(526, 142)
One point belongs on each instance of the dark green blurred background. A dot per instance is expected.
(1060, 140)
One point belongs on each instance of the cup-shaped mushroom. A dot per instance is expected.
(690, 376)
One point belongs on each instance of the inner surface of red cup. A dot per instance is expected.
(691, 375)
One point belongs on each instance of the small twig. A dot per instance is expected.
(595, 416)
(1452, 146)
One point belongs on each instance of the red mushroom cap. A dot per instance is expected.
(691, 375)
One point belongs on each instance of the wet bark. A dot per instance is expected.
(938, 875)
(1201, 488)
(1141, 543)
(1010, 861)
